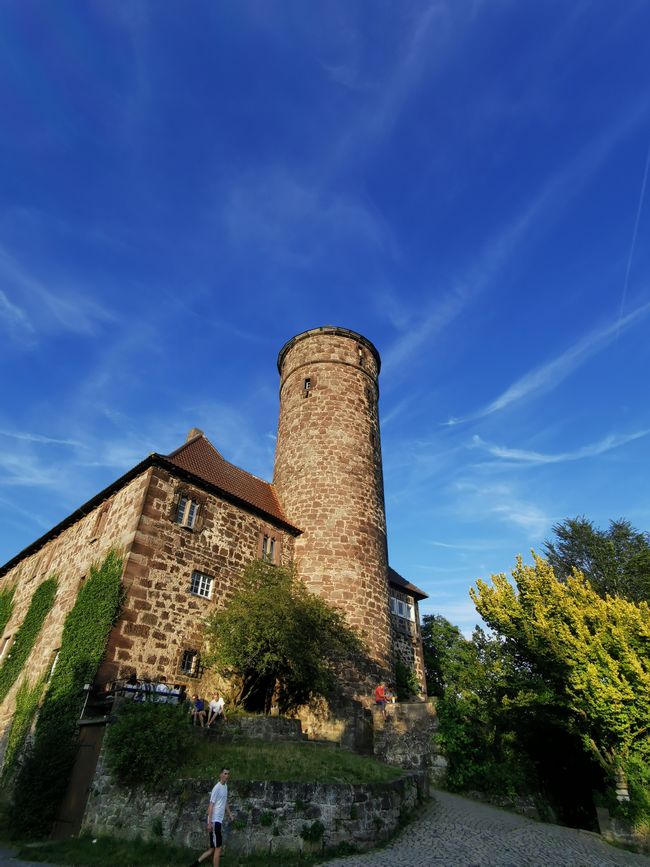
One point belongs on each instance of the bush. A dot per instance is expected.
(147, 744)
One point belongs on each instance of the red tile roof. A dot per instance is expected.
(405, 586)
(199, 457)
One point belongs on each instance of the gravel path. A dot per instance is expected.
(457, 832)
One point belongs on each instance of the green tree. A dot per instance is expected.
(441, 642)
(616, 561)
(276, 640)
(592, 654)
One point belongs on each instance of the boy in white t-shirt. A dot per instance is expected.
(216, 709)
(217, 808)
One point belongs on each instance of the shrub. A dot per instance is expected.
(147, 743)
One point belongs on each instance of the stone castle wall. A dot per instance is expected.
(160, 617)
(69, 556)
(328, 476)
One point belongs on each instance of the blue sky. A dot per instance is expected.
(184, 187)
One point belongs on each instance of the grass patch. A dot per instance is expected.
(108, 850)
(298, 763)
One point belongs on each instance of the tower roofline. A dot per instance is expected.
(329, 329)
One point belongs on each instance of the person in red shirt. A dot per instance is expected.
(380, 698)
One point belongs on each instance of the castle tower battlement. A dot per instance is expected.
(328, 475)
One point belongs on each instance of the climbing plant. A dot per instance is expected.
(43, 777)
(28, 631)
(6, 605)
(27, 699)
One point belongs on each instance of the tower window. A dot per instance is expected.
(306, 387)
(187, 512)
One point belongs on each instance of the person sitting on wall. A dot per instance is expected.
(197, 709)
(380, 698)
(162, 690)
(216, 709)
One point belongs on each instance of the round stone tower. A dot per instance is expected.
(328, 475)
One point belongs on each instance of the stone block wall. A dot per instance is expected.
(269, 816)
(160, 617)
(111, 524)
(406, 737)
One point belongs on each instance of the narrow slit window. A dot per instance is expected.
(268, 549)
(187, 512)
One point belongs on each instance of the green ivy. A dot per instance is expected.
(43, 777)
(6, 605)
(27, 700)
(39, 607)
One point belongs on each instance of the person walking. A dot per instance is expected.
(217, 808)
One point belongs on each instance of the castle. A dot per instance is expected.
(188, 523)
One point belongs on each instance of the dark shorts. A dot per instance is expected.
(381, 703)
(216, 840)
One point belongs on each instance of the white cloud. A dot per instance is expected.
(554, 371)
(51, 307)
(533, 458)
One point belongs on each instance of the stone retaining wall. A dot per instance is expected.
(406, 737)
(269, 816)
(262, 728)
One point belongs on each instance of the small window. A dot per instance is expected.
(54, 660)
(306, 387)
(6, 646)
(100, 522)
(201, 585)
(268, 549)
(187, 512)
(190, 663)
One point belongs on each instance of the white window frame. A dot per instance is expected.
(187, 512)
(201, 584)
(402, 609)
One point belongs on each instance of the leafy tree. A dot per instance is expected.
(406, 681)
(616, 561)
(592, 654)
(276, 640)
(441, 642)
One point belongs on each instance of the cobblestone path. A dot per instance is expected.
(457, 832)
